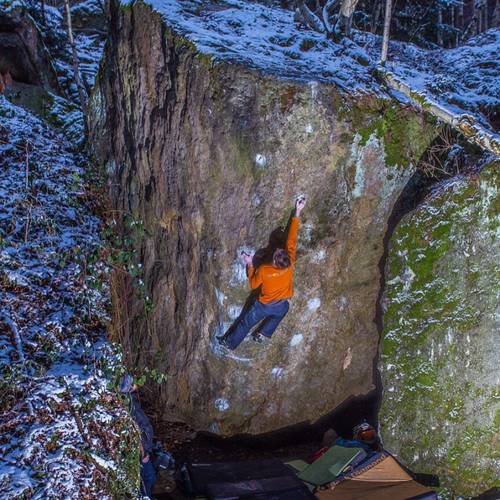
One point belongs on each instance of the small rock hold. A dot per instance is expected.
(314, 304)
(347, 359)
(222, 404)
(261, 160)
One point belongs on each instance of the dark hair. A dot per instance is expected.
(281, 259)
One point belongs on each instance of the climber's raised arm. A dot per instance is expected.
(294, 228)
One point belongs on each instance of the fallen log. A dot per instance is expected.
(463, 123)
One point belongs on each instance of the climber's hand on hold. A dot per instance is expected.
(246, 259)
(299, 205)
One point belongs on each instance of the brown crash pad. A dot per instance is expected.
(382, 478)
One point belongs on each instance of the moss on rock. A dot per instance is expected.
(440, 338)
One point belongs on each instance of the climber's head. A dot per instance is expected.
(365, 432)
(281, 259)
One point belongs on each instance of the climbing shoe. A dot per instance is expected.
(223, 342)
(257, 337)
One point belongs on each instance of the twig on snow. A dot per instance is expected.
(19, 348)
(26, 165)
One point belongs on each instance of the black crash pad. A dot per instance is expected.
(270, 479)
(274, 488)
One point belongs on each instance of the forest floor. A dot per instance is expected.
(64, 432)
(62, 429)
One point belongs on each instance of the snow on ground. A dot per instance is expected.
(59, 421)
(89, 44)
(465, 79)
(267, 39)
(63, 431)
(89, 41)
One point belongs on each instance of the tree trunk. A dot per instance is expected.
(308, 17)
(387, 25)
(328, 9)
(76, 68)
(377, 9)
(346, 26)
(347, 9)
(42, 8)
(454, 25)
(494, 15)
(439, 27)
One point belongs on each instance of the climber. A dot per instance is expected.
(148, 473)
(275, 281)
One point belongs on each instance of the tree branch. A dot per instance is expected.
(329, 7)
(19, 348)
(309, 18)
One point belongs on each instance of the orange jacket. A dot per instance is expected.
(277, 284)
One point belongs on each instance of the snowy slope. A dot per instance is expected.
(60, 425)
(268, 39)
(465, 79)
(63, 432)
(89, 42)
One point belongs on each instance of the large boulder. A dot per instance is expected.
(439, 350)
(205, 158)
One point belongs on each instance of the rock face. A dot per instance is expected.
(439, 353)
(23, 56)
(206, 158)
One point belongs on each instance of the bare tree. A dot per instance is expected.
(376, 11)
(346, 11)
(42, 8)
(453, 25)
(387, 25)
(334, 18)
(440, 27)
(76, 66)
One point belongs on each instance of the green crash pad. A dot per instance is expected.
(326, 468)
(298, 465)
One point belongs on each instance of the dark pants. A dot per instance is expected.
(148, 477)
(272, 313)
